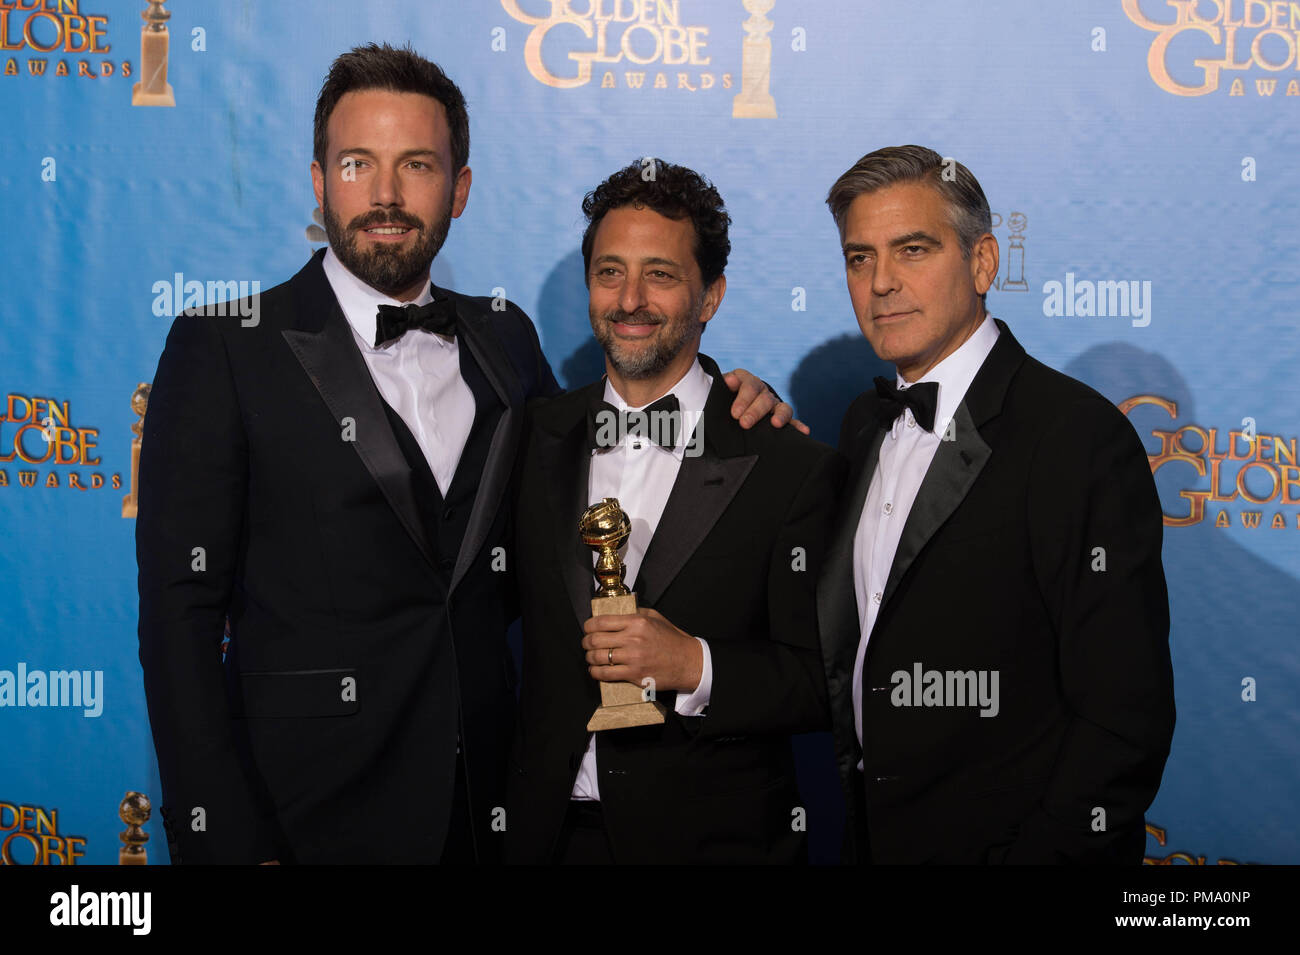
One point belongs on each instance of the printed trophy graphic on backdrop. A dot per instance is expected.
(139, 404)
(1013, 252)
(134, 810)
(1015, 280)
(605, 527)
(754, 101)
(153, 88)
(316, 231)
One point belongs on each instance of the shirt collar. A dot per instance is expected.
(955, 373)
(692, 391)
(360, 302)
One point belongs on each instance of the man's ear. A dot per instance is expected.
(461, 191)
(713, 298)
(318, 183)
(984, 262)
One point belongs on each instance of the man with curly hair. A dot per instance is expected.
(727, 527)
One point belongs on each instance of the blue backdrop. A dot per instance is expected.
(1139, 157)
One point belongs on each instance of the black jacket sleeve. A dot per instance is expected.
(1095, 534)
(193, 483)
(779, 685)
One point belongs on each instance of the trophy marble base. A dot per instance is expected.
(140, 98)
(621, 704)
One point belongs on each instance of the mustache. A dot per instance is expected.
(371, 219)
(641, 318)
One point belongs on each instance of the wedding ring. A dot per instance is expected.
(611, 656)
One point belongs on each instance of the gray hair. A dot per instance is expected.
(968, 209)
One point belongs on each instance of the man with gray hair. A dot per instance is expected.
(993, 610)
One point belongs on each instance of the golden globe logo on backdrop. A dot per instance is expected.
(1260, 38)
(1261, 470)
(645, 45)
(56, 27)
(38, 431)
(29, 835)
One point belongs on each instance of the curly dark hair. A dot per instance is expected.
(672, 191)
(385, 67)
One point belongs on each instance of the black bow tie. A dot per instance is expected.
(923, 399)
(658, 422)
(394, 321)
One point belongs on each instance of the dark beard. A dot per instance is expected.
(388, 270)
(648, 362)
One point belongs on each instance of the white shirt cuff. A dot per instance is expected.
(697, 702)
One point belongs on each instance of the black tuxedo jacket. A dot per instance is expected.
(1033, 550)
(366, 629)
(733, 561)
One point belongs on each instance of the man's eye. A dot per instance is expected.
(913, 249)
(418, 164)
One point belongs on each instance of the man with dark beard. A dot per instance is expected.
(726, 533)
(326, 481)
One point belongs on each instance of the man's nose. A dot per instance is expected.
(632, 295)
(386, 189)
(884, 278)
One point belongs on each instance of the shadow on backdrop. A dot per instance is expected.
(829, 377)
(574, 354)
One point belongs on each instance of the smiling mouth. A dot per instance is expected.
(388, 230)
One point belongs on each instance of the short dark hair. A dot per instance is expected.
(968, 209)
(384, 67)
(672, 191)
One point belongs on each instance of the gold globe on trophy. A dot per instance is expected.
(134, 810)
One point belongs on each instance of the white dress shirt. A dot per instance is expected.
(641, 475)
(905, 456)
(418, 375)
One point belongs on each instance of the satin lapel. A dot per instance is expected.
(330, 357)
(566, 463)
(704, 487)
(953, 470)
(492, 359)
(837, 604)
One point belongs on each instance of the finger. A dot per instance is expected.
(747, 389)
(601, 657)
(614, 674)
(601, 641)
(801, 426)
(607, 623)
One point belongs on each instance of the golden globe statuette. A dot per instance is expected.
(139, 404)
(153, 88)
(754, 101)
(134, 810)
(605, 527)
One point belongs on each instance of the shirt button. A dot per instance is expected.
(889, 507)
(876, 596)
(911, 422)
